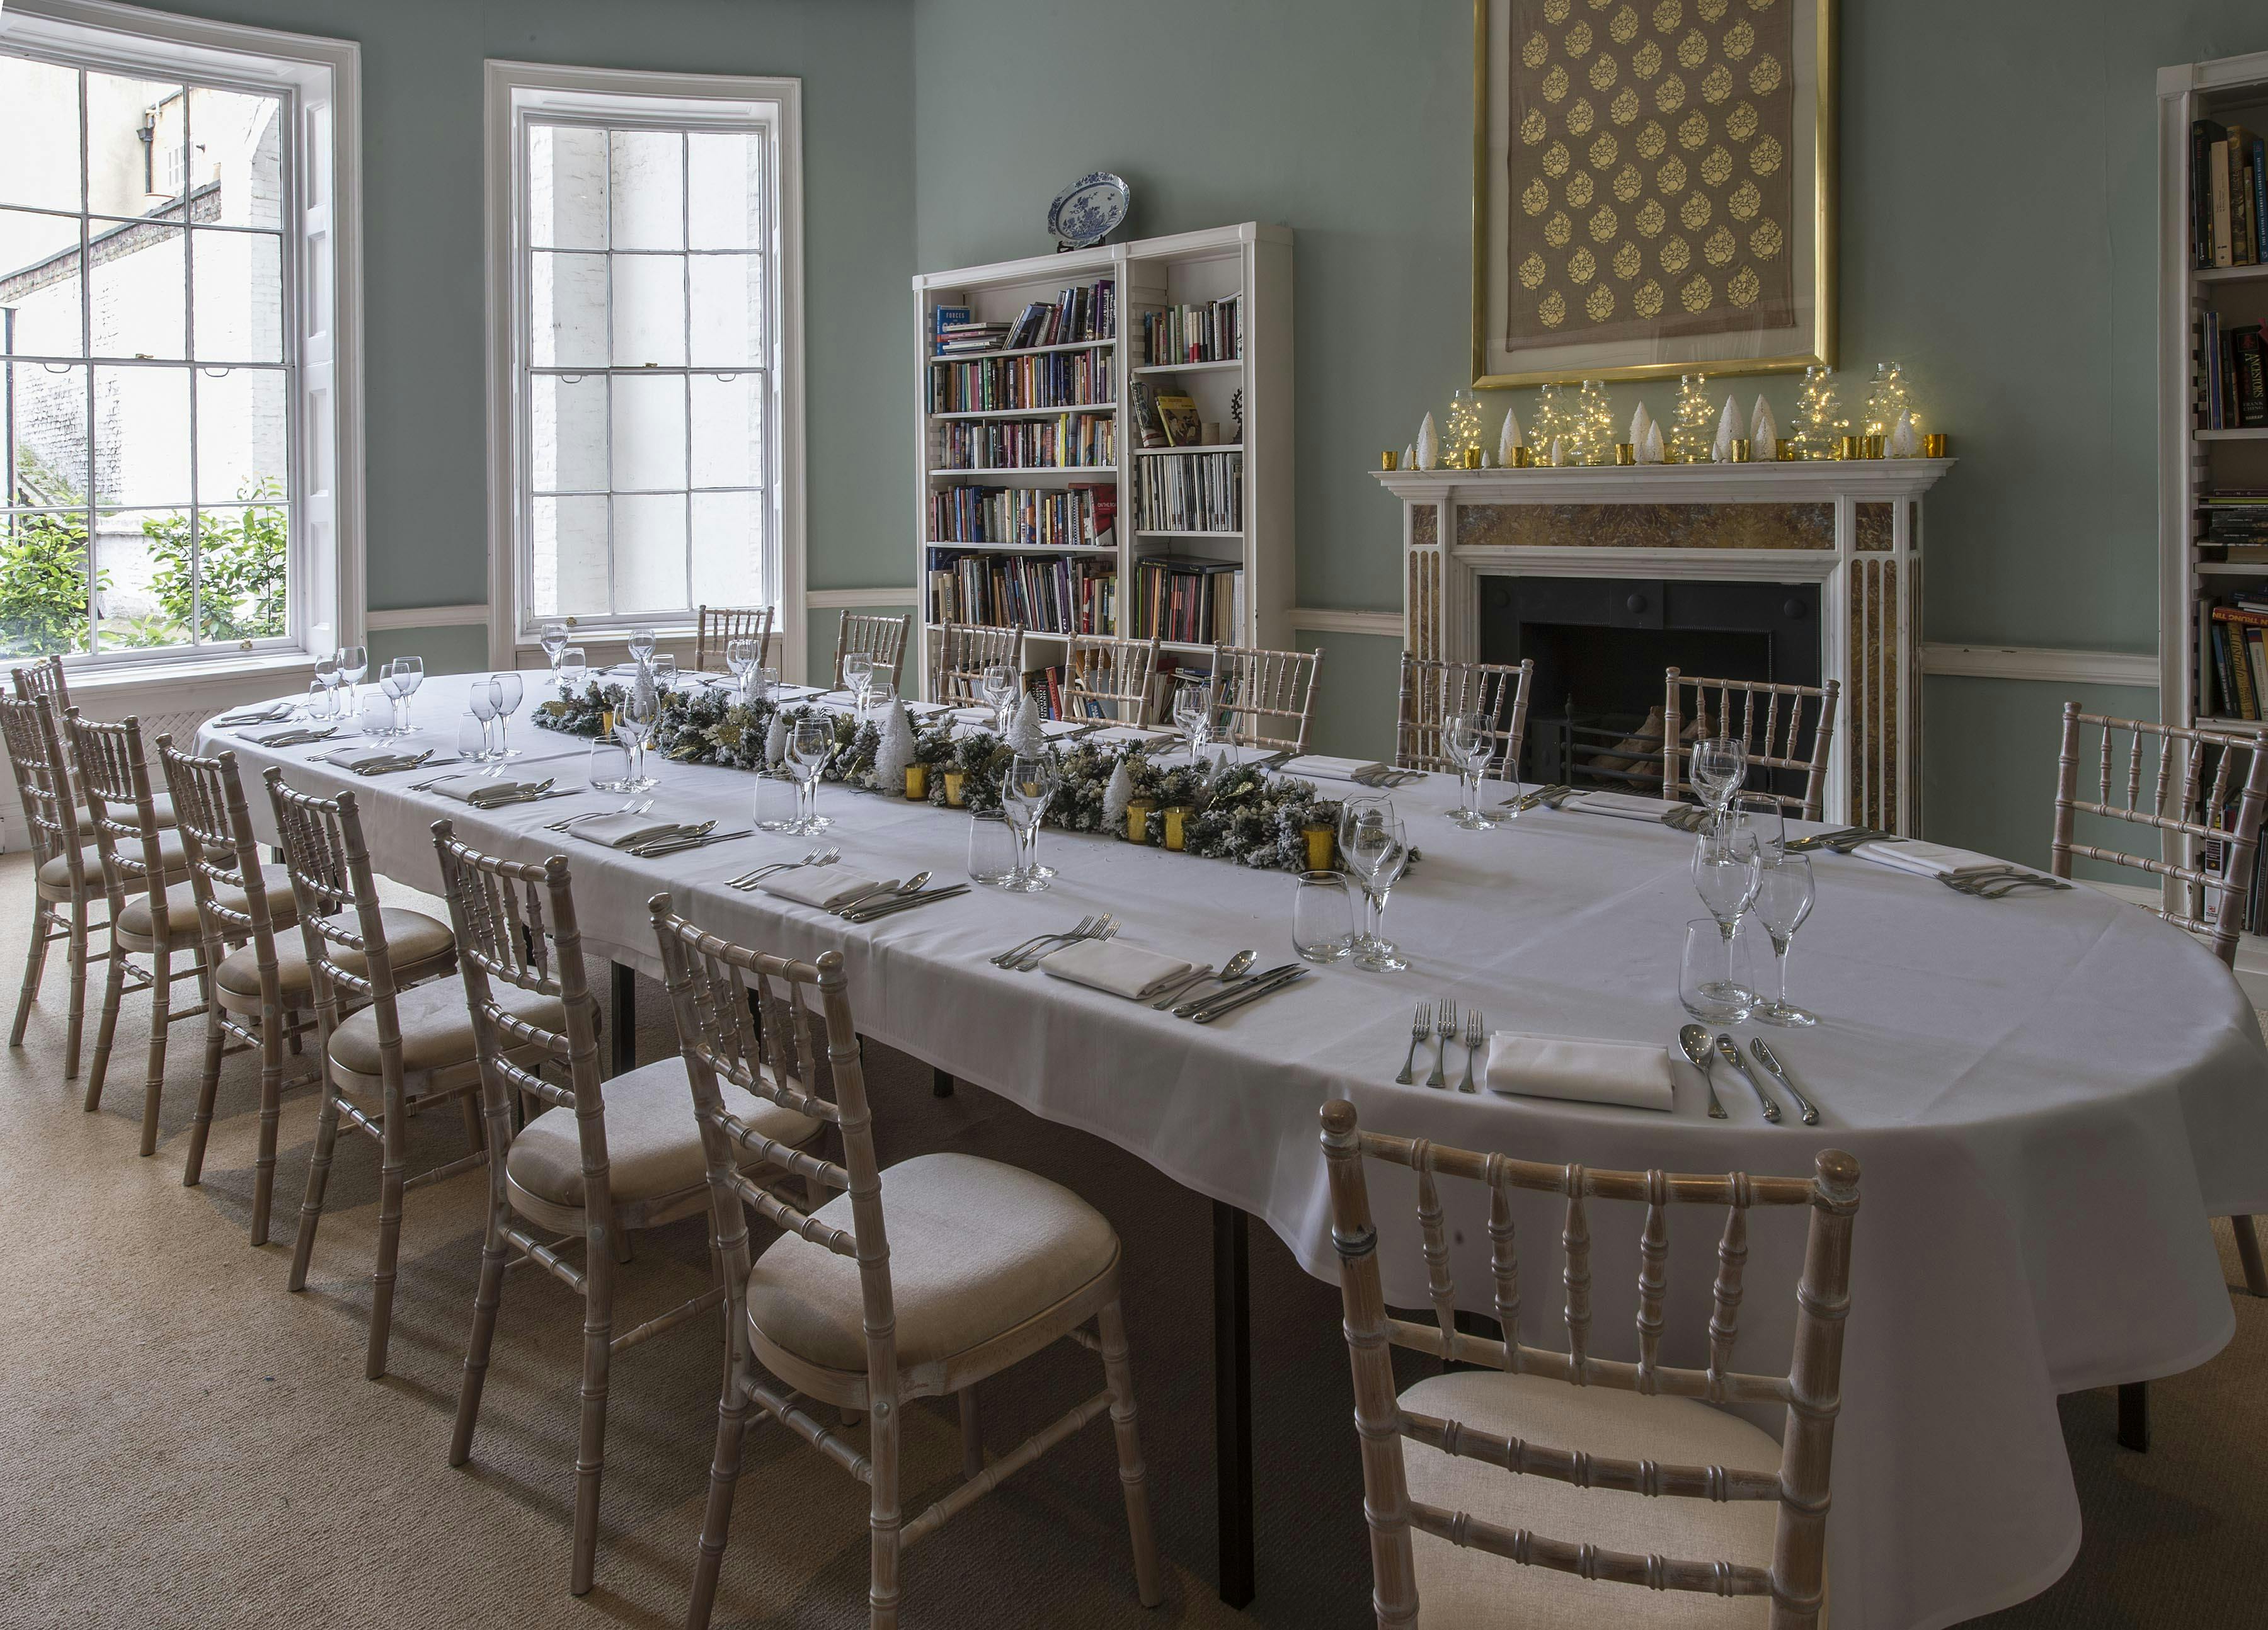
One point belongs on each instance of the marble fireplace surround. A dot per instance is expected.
(1852, 527)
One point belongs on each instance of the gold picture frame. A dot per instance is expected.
(1809, 340)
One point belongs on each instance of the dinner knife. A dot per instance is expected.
(1770, 1059)
(1729, 1051)
(1269, 987)
(1190, 1009)
(906, 902)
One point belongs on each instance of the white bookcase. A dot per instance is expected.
(1251, 261)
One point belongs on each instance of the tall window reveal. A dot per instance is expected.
(647, 341)
(149, 369)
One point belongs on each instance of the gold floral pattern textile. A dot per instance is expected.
(1651, 144)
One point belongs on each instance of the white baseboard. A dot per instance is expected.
(2041, 663)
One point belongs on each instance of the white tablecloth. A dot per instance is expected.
(2049, 1095)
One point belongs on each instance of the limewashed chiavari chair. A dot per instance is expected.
(1109, 679)
(1264, 698)
(153, 907)
(870, 634)
(404, 1048)
(598, 1163)
(1517, 1411)
(263, 995)
(715, 626)
(963, 651)
(986, 1266)
(1768, 720)
(2193, 788)
(47, 679)
(1434, 691)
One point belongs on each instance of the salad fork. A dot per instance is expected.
(1473, 1035)
(1445, 1026)
(1420, 1028)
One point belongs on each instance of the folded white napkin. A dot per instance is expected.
(923, 710)
(257, 716)
(1927, 859)
(482, 790)
(1052, 729)
(1588, 1072)
(362, 759)
(823, 886)
(1216, 752)
(1624, 805)
(974, 716)
(788, 692)
(622, 832)
(1320, 767)
(1122, 970)
(1131, 733)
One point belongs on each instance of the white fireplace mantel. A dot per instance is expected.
(1852, 526)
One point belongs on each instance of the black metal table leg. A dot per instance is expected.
(2134, 1416)
(940, 1082)
(1231, 1398)
(625, 1043)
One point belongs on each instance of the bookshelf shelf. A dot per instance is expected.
(2256, 434)
(2230, 274)
(1247, 574)
(2230, 569)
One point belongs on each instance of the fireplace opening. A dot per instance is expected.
(1601, 646)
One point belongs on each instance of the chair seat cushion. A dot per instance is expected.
(415, 940)
(976, 1248)
(653, 1142)
(181, 907)
(436, 1028)
(1457, 1586)
(55, 872)
(126, 815)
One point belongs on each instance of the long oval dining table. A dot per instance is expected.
(2049, 1097)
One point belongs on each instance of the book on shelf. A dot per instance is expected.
(1177, 416)
(1149, 430)
(1190, 492)
(1212, 332)
(2228, 196)
(1047, 594)
(1068, 441)
(2239, 660)
(1072, 517)
(1056, 380)
(1080, 312)
(2232, 374)
(1187, 599)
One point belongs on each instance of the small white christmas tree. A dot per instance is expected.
(1428, 444)
(1690, 425)
(1764, 431)
(1507, 438)
(776, 739)
(1026, 738)
(895, 750)
(1728, 431)
(1118, 793)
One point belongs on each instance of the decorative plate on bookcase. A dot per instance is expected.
(1088, 210)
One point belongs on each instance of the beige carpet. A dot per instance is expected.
(183, 1444)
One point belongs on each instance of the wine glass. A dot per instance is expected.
(642, 646)
(810, 743)
(553, 638)
(1784, 895)
(1024, 793)
(1763, 814)
(1465, 739)
(881, 691)
(1379, 855)
(639, 717)
(510, 691)
(1719, 762)
(482, 700)
(741, 656)
(858, 673)
(354, 663)
(998, 680)
(399, 682)
(570, 671)
(1725, 875)
(1193, 712)
(326, 681)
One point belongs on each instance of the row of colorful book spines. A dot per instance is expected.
(1082, 381)
(1042, 446)
(2228, 181)
(1095, 615)
(1163, 343)
(2240, 663)
(1012, 515)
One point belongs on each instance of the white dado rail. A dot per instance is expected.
(1852, 527)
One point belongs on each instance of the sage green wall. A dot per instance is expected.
(1999, 190)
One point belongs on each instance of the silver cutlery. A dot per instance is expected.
(1107, 929)
(816, 857)
(1190, 1009)
(395, 766)
(881, 891)
(1231, 969)
(1474, 1032)
(1841, 842)
(910, 902)
(1420, 1028)
(1729, 1050)
(1770, 1059)
(1445, 1026)
(566, 821)
(1084, 927)
(1551, 797)
(1292, 974)
(297, 737)
(1695, 1040)
(2000, 884)
(695, 840)
(255, 716)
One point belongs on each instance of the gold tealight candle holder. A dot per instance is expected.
(1850, 447)
(1937, 444)
(1138, 820)
(956, 788)
(1389, 461)
(1472, 457)
(1741, 449)
(1522, 459)
(1624, 454)
(1876, 447)
(1177, 821)
(917, 783)
(1784, 453)
(1319, 838)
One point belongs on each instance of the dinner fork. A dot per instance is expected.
(1084, 926)
(1420, 1028)
(1473, 1032)
(1445, 1026)
(1108, 928)
(771, 867)
(826, 857)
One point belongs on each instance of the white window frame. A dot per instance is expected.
(518, 92)
(320, 82)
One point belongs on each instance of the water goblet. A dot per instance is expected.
(1717, 765)
(1724, 875)
(1465, 739)
(636, 721)
(481, 701)
(554, 640)
(1784, 895)
(1193, 712)
(858, 673)
(1716, 974)
(1379, 855)
(993, 850)
(810, 743)
(642, 643)
(1023, 793)
(740, 656)
(353, 662)
(326, 679)
(1354, 813)
(1322, 917)
(399, 682)
(998, 680)
(511, 690)
(663, 666)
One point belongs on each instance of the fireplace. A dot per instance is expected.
(1599, 645)
(1799, 571)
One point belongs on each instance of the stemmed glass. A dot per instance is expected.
(1000, 682)
(1719, 762)
(641, 647)
(570, 671)
(553, 637)
(354, 662)
(1379, 855)
(1784, 900)
(741, 656)
(1024, 793)
(511, 690)
(483, 699)
(399, 682)
(1466, 739)
(810, 743)
(639, 717)
(1725, 875)
(881, 691)
(857, 674)
(323, 689)
(1193, 712)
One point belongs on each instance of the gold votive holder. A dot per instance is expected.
(1786, 452)
(1138, 820)
(1740, 448)
(956, 788)
(917, 783)
(1472, 457)
(1177, 820)
(1521, 459)
(1319, 838)
(1624, 454)
(1389, 461)
(1850, 447)
(1937, 444)
(1875, 445)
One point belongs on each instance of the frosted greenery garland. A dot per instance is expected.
(1240, 814)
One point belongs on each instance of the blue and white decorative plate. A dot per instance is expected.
(1088, 210)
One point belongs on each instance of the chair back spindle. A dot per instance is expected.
(1109, 679)
(1769, 721)
(871, 634)
(43, 783)
(715, 626)
(963, 651)
(1434, 691)
(1265, 698)
(114, 780)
